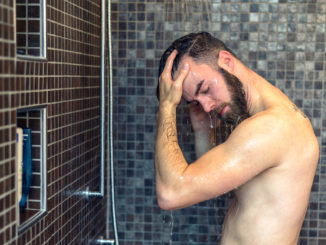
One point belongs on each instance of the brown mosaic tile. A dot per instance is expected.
(57, 84)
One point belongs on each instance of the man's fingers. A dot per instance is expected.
(171, 90)
(169, 64)
(194, 107)
(182, 74)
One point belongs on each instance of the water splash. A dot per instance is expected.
(216, 207)
(168, 219)
(172, 224)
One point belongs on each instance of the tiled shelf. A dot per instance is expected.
(34, 119)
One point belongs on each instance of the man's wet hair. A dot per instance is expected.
(201, 46)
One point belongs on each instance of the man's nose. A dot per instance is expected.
(207, 106)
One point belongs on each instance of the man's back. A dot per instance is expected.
(270, 208)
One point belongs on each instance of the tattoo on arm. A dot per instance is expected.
(170, 132)
(169, 129)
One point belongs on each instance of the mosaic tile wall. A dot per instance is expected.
(283, 40)
(67, 84)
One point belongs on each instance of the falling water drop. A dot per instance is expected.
(172, 223)
(216, 207)
(211, 120)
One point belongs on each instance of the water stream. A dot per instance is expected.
(171, 224)
(182, 17)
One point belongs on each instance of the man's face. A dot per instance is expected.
(217, 91)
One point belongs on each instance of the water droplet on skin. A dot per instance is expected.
(215, 80)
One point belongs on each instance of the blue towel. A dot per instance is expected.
(27, 167)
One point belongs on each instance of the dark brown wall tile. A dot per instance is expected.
(67, 85)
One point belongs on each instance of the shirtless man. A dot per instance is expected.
(269, 159)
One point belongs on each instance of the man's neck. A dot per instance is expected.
(252, 84)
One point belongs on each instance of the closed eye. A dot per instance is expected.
(205, 91)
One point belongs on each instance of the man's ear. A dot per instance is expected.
(226, 61)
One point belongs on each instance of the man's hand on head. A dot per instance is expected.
(171, 90)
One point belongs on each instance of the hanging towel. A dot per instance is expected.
(27, 167)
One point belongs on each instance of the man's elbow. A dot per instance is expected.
(163, 204)
(167, 199)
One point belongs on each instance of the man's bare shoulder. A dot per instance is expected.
(273, 132)
(268, 123)
(279, 129)
(277, 120)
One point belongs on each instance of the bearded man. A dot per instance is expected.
(268, 159)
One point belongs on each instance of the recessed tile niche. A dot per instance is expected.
(30, 22)
(33, 119)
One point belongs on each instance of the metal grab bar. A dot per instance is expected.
(105, 241)
(110, 120)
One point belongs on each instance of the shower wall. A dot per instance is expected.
(67, 84)
(283, 40)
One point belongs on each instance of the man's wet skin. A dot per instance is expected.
(269, 159)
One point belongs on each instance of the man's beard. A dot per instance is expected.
(237, 109)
